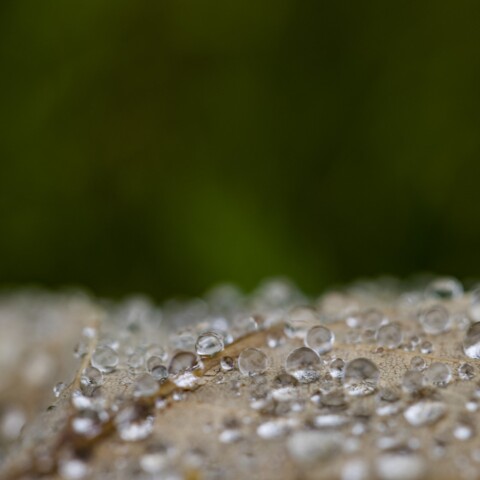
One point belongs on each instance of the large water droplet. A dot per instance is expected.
(320, 339)
(435, 320)
(157, 369)
(361, 377)
(438, 374)
(390, 335)
(445, 288)
(209, 344)
(252, 361)
(105, 359)
(471, 342)
(424, 412)
(145, 385)
(304, 364)
(299, 321)
(466, 371)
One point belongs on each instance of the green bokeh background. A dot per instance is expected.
(166, 146)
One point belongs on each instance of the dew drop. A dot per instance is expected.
(72, 469)
(183, 362)
(133, 425)
(58, 389)
(475, 305)
(471, 342)
(446, 288)
(390, 335)
(303, 363)
(157, 369)
(438, 374)
(307, 447)
(105, 359)
(413, 381)
(466, 371)
(145, 386)
(418, 363)
(361, 377)
(252, 361)
(209, 344)
(337, 368)
(227, 364)
(435, 320)
(426, 347)
(372, 319)
(299, 321)
(424, 412)
(320, 339)
(398, 466)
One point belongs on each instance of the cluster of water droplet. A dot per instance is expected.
(320, 374)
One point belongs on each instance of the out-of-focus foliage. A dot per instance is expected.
(164, 146)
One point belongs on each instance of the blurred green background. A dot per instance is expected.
(166, 146)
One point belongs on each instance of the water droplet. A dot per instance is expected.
(227, 364)
(463, 430)
(299, 320)
(307, 447)
(424, 412)
(252, 361)
(471, 342)
(303, 363)
(398, 466)
(426, 347)
(320, 339)
(475, 305)
(91, 379)
(133, 424)
(438, 374)
(355, 469)
(58, 389)
(105, 359)
(418, 363)
(435, 320)
(145, 386)
(331, 420)
(446, 288)
(274, 428)
(466, 371)
(72, 469)
(209, 344)
(157, 369)
(361, 377)
(390, 335)
(183, 362)
(372, 319)
(413, 381)
(337, 368)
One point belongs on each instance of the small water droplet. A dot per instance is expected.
(145, 386)
(105, 359)
(424, 412)
(252, 361)
(157, 369)
(413, 381)
(471, 342)
(399, 466)
(72, 469)
(390, 335)
(361, 377)
(307, 447)
(435, 320)
(227, 364)
(372, 319)
(466, 371)
(463, 430)
(426, 347)
(418, 363)
(337, 368)
(303, 363)
(209, 344)
(299, 320)
(320, 339)
(133, 424)
(58, 389)
(438, 374)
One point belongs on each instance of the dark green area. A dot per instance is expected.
(165, 146)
